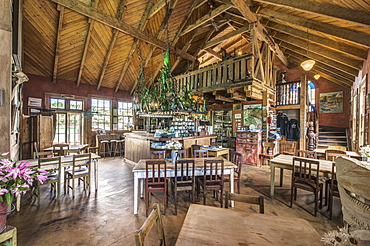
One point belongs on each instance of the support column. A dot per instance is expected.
(5, 73)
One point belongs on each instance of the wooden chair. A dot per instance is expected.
(54, 168)
(41, 154)
(155, 218)
(200, 153)
(213, 178)
(288, 147)
(60, 149)
(343, 148)
(184, 179)
(155, 182)
(306, 154)
(158, 154)
(237, 160)
(331, 190)
(259, 200)
(268, 152)
(182, 154)
(305, 176)
(81, 170)
(194, 147)
(332, 154)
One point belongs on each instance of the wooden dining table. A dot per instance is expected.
(349, 153)
(77, 147)
(286, 162)
(215, 151)
(207, 225)
(140, 174)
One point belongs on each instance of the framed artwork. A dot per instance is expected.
(331, 102)
(34, 111)
(238, 116)
(252, 116)
(34, 102)
(237, 106)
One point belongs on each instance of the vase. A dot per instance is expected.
(174, 155)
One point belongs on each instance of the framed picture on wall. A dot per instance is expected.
(34, 102)
(252, 116)
(331, 102)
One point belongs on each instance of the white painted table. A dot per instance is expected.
(139, 174)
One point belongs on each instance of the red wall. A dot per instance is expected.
(38, 85)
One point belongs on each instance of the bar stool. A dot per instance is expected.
(119, 147)
(105, 148)
(113, 144)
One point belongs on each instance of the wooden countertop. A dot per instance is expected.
(150, 136)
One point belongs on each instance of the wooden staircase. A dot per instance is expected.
(329, 136)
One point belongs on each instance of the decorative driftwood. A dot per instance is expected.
(353, 182)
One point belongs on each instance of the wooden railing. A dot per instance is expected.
(232, 70)
(288, 93)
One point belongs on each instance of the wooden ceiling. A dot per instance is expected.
(106, 42)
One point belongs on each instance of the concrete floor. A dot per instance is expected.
(106, 217)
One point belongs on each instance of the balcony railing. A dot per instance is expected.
(288, 93)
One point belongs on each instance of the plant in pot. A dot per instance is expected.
(16, 178)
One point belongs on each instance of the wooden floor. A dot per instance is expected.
(106, 217)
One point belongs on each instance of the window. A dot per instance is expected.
(101, 120)
(57, 103)
(311, 96)
(124, 116)
(75, 105)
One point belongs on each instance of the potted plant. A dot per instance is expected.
(16, 178)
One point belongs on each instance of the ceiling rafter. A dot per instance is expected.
(158, 6)
(354, 37)
(242, 6)
(143, 21)
(225, 37)
(351, 51)
(213, 53)
(217, 11)
(326, 10)
(120, 25)
(57, 42)
(111, 45)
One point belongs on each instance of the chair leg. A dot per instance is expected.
(146, 203)
(291, 196)
(204, 196)
(238, 183)
(316, 203)
(73, 187)
(175, 198)
(221, 198)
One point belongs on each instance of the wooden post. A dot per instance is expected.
(303, 112)
(6, 73)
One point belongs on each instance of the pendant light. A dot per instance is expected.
(307, 64)
(316, 76)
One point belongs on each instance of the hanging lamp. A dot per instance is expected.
(307, 65)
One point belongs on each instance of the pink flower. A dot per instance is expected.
(41, 178)
(3, 191)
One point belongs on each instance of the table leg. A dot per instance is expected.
(272, 179)
(231, 184)
(136, 193)
(281, 176)
(141, 188)
(96, 174)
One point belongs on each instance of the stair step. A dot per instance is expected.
(332, 132)
(332, 137)
(332, 141)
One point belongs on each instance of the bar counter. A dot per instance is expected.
(137, 144)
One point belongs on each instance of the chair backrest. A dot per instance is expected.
(154, 218)
(306, 154)
(215, 170)
(155, 167)
(52, 164)
(288, 147)
(182, 154)
(338, 147)
(305, 170)
(194, 147)
(200, 153)
(332, 154)
(184, 170)
(59, 149)
(158, 154)
(259, 200)
(237, 160)
(80, 160)
(42, 154)
(267, 146)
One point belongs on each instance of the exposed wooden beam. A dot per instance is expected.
(350, 51)
(158, 6)
(119, 25)
(219, 10)
(242, 6)
(86, 46)
(111, 45)
(213, 53)
(314, 49)
(225, 37)
(57, 43)
(352, 36)
(325, 10)
(222, 98)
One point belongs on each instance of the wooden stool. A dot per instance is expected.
(105, 148)
(113, 144)
(10, 233)
(119, 147)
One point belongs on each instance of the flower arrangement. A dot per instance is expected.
(365, 151)
(174, 145)
(342, 237)
(16, 179)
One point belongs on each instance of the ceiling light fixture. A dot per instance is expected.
(317, 76)
(307, 64)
